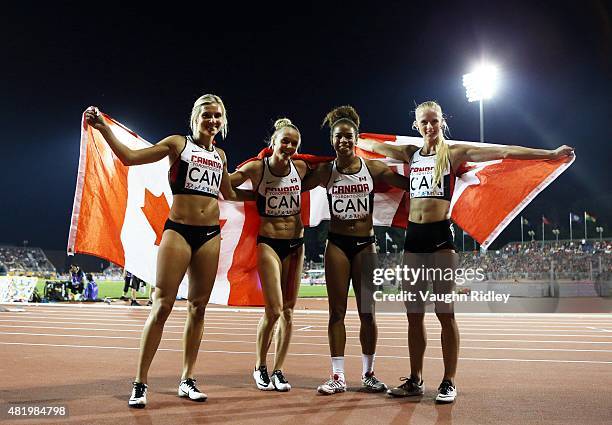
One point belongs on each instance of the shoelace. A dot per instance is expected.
(191, 383)
(409, 383)
(279, 375)
(334, 383)
(445, 387)
(371, 380)
(263, 372)
(139, 389)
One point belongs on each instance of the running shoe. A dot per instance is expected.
(187, 388)
(138, 400)
(409, 388)
(447, 392)
(262, 379)
(279, 382)
(334, 385)
(135, 303)
(370, 383)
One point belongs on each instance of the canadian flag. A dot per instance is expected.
(119, 212)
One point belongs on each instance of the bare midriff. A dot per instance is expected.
(290, 227)
(195, 210)
(361, 227)
(428, 210)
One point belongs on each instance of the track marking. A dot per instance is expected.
(309, 354)
(305, 328)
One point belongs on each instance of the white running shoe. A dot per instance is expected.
(370, 383)
(334, 385)
(262, 379)
(447, 392)
(138, 400)
(279, 382)
(187, 388)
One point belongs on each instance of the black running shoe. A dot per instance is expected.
(409, 388)
(138, 400)
(447, 392)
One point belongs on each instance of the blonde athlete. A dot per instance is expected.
(190, 241)
(277, 182)
(349, 182)
(432, 178)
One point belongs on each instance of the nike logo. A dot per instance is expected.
(414, 162)
(438, 245)
(293, 246)
(211, 233)
(336, 181)
(269, 182)
(362, 243)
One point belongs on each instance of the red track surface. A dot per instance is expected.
(512, 369)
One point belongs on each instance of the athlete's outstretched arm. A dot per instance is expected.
(244, 173)
(231, 193)
(463, 153)
(130, 156)
(381, 172)
(401, 152)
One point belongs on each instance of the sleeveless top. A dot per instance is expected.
(421, 178)
(279, 196)
(350, 196)
(197, 171)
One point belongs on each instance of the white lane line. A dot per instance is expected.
(312, 354)
(233, 320)
(223, 341)
(305, 328)
(139, 329)
(599, 329)
(534, 332)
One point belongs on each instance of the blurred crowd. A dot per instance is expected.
(24, 260)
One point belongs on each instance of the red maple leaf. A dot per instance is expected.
(156, 211)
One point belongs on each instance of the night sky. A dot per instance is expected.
(146, 66)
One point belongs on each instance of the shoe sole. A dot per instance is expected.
(373, 390)
(136, 406)
(281, 390)
(320, 391)
(405, 395)
(443, 401)
(186, 395)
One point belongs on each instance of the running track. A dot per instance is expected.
(512, 369)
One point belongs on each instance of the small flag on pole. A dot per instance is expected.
(589, 217)
(575, 218)
(545, 220)
(525, 221)
(387, 237)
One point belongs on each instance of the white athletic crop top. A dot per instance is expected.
(350, 196)
(421, 178)
(197, 172)
(279, 196)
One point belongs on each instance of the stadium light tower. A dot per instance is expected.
(480, 85)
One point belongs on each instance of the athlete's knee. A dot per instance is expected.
(416, 319)
(161, 310)
(337, 314)
(367, 319)
(196, 308)
(446, 319)
(273, 313)
(288, 314)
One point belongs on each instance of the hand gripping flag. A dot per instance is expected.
(119, 212)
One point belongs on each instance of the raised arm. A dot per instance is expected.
(399, 152)
(231, 193)
(130, 156)
(463, 153)
(382, 173)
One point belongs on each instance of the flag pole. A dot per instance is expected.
(522, 240)
(542, 231)
(585, 226)
(570, 218)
